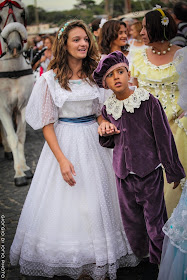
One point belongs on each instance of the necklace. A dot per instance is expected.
(163, 52)
(139, 41)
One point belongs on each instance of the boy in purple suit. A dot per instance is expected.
(142, 143)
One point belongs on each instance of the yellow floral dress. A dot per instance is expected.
(162, 82)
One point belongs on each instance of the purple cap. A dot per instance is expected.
(107, 64)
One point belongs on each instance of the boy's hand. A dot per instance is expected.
(176, 185)
(106, 129)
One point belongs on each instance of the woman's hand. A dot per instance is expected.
(67, 170)
(66, 166)
(106, 129)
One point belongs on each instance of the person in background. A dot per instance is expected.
(153, 69)
(136, 41)
(46, 57)
(96, 26)
(113, 37)
(39, 42)
(180, 17)
(129, 22)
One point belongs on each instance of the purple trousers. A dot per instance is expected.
(143, 213)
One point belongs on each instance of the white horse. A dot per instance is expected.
(16, 83)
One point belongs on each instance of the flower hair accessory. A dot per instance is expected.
(62, 29)
(102, 22)
(165, 19)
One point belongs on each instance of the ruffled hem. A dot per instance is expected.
(173, 262)
(97, 271)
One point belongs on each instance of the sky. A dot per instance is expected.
(54, 5)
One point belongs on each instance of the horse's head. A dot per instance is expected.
(12, 21)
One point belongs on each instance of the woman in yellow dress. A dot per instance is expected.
(154, 69)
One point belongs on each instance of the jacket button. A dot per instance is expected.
(124, 130)
(126, 148)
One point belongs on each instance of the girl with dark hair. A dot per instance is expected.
(71, 223)
(113, 37)
(155, 71)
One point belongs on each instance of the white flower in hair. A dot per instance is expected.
(157, 7)
(165, 21)
(102, 22)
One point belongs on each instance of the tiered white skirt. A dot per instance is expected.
(76, 230)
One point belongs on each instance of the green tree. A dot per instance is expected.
(85, 4)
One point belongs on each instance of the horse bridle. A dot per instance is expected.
(13, 74)
(11, 3)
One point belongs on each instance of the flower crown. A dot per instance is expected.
(165, 19)
(62, 29)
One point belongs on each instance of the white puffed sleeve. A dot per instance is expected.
(103, 95)
(180, 61)
(41, 109)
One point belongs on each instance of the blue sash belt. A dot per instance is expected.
(78, 120)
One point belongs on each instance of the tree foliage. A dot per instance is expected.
(87, 10)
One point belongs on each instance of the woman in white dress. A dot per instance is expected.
(70, 223)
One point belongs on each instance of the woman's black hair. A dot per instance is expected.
(156, 30)
(180, 11)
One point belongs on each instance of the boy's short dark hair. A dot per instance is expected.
(156, 31)
(180, 11)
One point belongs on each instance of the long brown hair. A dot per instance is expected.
(108, 34)
(60, 57)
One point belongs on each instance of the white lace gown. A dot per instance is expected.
(67, 230)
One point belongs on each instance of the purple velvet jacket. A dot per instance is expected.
(145, 141)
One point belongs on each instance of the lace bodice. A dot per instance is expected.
(49, 101)
(161, 81)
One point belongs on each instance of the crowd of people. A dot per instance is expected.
(110, 187)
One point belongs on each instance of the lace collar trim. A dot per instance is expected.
(153, 66)
(114, 106)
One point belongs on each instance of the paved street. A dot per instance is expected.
(11, 202)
